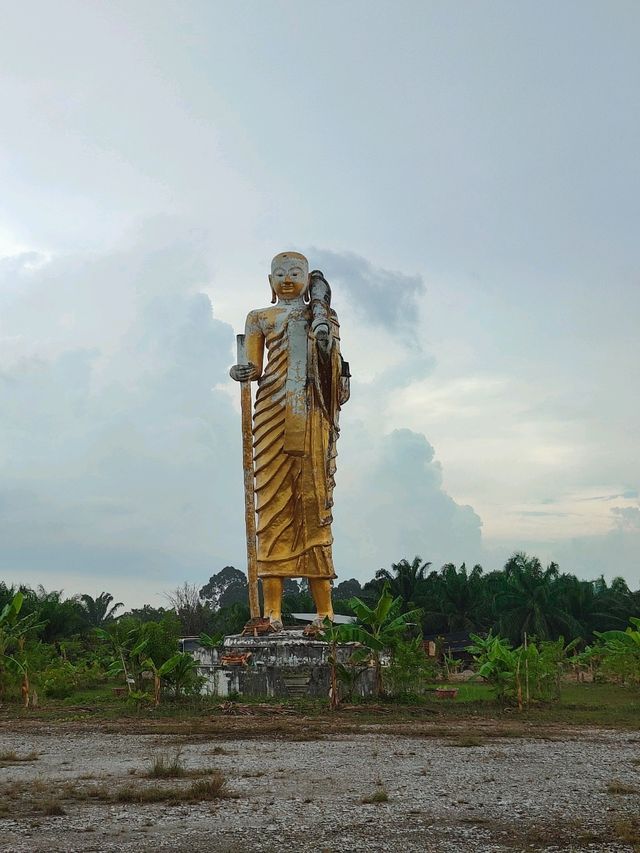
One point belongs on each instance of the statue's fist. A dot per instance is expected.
(322, 337)
(243, 372)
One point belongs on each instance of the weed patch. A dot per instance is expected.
(627, 829)
(164, 766)
(12, 757)
(214, 787)
(618, 787)
(53, 808)
(469, 740)
(380, 795)
(137, 794)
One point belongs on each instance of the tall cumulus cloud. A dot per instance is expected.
(116, 451)
(120, 444)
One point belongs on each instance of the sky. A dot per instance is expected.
(466, 176)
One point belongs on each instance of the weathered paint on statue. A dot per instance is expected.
(295, 429)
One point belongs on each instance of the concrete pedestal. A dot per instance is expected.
(286, 665)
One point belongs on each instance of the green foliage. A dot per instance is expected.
(146, 613)
(15, 630)
(47, 641)
(61, 678)
(404, 580)
(383, 625)
(522, 598)
(100, 611)
(333, 635)
(210, 641)
(496, 663)
(410, 670)
(531, 672)
(226, 587)
(183, 676)
(59, 617)
(160, 638)
(620, 652)
(380, 627)
(230, 620)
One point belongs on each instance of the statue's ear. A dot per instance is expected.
(306, 296)
(274, 298)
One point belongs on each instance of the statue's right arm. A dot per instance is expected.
(254, 348)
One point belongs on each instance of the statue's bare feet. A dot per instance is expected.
(316, 627)
(276, 624)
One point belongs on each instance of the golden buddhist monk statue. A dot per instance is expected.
(295, 429)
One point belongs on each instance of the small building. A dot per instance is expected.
(453, 644)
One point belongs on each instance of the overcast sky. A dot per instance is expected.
(467, 177)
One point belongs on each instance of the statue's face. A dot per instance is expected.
(289, 276)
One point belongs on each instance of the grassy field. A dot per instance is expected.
(581, 705)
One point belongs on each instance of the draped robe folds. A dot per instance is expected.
(295, 429)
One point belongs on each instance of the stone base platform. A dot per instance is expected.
(287, 665)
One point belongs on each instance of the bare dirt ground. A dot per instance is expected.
(467, 788)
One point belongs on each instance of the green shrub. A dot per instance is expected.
(410, 671)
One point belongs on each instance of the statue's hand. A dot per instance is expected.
(243, 372)
(323, 339)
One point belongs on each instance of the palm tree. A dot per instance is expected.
(460, 596)
(528, 603)
(62, 617)
(98, 610)
(593, 605)
(405, 580)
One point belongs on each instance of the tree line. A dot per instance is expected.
(522, 598)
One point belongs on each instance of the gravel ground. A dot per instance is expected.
(444, 795)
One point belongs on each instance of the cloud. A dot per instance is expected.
(613, 553)
(117, 456)
(120, 444)
(396, 506)
(120, 462)
(388, 299)
(627, 518)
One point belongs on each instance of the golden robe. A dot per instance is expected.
(294, 490)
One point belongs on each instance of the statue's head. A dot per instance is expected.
(289, 275)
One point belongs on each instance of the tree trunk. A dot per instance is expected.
(25, 689)
(378, 675)
(334, 699)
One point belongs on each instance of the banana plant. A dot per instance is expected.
(127, 649)
(14, 631)
(621, 650)
(184, 673)
(532, 671)
(333, 635)
(210, 641)
(379, 627)
(160, 672)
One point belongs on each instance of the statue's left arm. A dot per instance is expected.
(343, 379)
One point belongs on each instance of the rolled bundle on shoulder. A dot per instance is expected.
(320, 294)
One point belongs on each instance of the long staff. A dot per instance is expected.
(249, 488)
